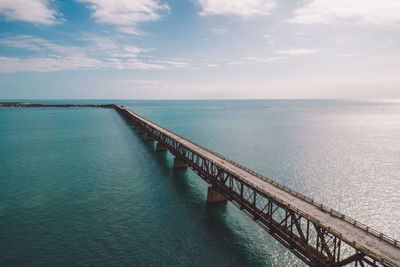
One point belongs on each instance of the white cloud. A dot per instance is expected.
(252, 60)
(46, 64)
(143, 84)
(129, 30)
(282, 55)
(28, 42)
(22, 42)
(242, 8)
(297, 52)
(134, 49)
(133, 64)
(269, 38)
(212, 65)
(381, 12)
(57, 63)
(219, 31)
(264, 59)
(156, 82)
(239, 62)
(34, 11)
(125, 13)
(100, 52)
(171, 62)
(345, 55)
(101, 46)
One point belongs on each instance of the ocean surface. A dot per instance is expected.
(79, 186)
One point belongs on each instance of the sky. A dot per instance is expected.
(199, 49)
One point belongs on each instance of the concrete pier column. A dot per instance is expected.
(161, 148)
(179, 163)
(149, 138)
(214, 196)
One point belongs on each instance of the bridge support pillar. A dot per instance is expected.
(141, 131)
(179, 163)
(149, 138)
(214, 196)
(134, 125)
(161, 148)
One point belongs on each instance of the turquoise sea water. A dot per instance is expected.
(80, 187)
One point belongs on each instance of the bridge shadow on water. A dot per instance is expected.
(216, 218)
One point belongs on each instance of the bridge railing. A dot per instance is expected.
(309, 200)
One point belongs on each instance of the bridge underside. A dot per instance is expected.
(312, 243)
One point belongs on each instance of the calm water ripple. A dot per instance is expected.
(80, 187)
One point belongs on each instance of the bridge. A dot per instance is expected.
(318, 235)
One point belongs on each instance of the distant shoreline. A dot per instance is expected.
(28, 105)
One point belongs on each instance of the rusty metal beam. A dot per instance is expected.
(354, 258)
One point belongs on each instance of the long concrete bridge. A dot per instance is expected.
(318, 235)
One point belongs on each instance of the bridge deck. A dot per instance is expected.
(348, 231)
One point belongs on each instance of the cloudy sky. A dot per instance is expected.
(199, 49)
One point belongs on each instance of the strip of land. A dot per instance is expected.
(31, 105)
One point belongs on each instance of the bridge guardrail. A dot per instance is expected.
(330, 211)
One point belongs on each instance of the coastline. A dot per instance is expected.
(29, 105)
